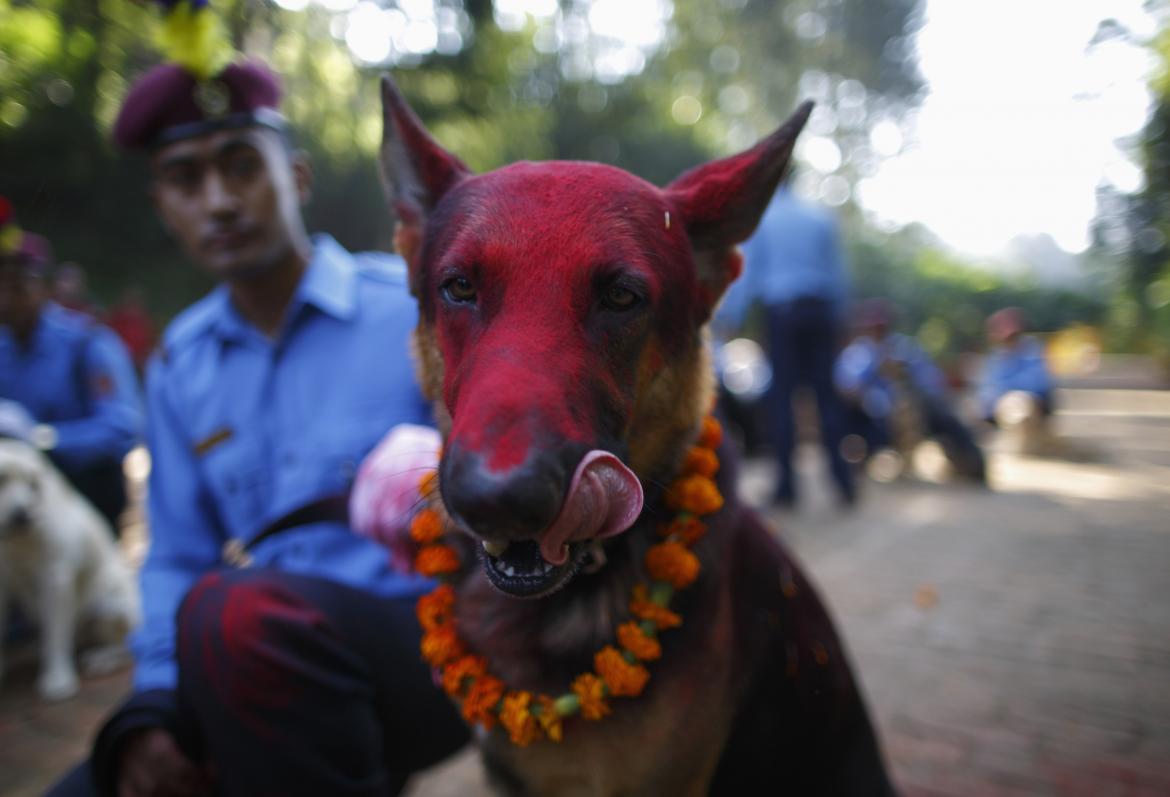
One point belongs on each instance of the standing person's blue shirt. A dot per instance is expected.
(244, 429)
(795, 253)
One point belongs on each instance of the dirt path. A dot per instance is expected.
(1011, 641)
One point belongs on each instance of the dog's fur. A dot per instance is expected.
(59, 562)
(753, 693)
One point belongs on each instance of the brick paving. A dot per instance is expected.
(1011, 641)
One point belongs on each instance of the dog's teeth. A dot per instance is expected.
(508, 571)
(495, 548)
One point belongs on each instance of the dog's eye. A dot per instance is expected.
(458, 290)
(618, 297)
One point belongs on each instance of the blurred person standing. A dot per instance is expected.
(896, 395)
(794, 266)
(279, 652)
(71, 374)
(1015, 388)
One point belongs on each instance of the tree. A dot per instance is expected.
(720, 74)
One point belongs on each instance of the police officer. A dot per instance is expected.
(1015, 387)
(795, 268)
(72, 375)
(279, 652)
(1016, 363)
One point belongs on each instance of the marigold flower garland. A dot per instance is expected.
(617, 671)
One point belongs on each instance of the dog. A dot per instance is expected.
(561, 339)
(59, 562)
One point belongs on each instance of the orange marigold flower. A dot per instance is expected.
(673, 563)
(435, 560)
(516, 718)
(644, 609)
(455, 673)
(434, 609)
(428, 485)
(631, 637)
(688, 530)
(590, 691)
(441, 645)
(621, 678)
(695, 494)
(710, 434)
(702, 461)
(480, 704)
(426, 526)
(549, 719)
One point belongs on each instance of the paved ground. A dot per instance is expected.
(1012, 641)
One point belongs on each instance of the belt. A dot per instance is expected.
(327, 509)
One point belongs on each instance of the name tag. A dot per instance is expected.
(213, 440)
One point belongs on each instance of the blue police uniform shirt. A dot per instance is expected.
(243, 429)
(1021, 368)
(858, 370)
(76, 376)
(794, 253)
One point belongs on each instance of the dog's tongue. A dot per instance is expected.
(605, 498)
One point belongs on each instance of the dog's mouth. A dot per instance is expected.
(521, 571)
(604, 499)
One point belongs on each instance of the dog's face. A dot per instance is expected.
(20, 488)
(561, 312)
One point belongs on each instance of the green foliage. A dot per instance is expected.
(944, 299)
(65, 66)
(1137, 228)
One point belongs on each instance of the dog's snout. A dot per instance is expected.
(514, 504)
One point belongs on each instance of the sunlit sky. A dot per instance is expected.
(1022, 122)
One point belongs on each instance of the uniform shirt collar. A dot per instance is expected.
(329, 284)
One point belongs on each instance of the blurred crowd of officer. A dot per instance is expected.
(877, 392)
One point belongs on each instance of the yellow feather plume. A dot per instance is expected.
(194, 39)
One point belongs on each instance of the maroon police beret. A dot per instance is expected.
(168, 104)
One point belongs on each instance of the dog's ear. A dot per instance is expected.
(721, 202)
(416, 171)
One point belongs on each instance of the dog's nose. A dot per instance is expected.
(517, 503)
(19, 517)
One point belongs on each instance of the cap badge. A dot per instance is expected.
(212, 97)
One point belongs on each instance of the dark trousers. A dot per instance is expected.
(300, 686)
(802, 339)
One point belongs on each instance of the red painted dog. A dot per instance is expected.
(561, 339)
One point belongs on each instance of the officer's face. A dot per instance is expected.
(233, 199)
(21, 296)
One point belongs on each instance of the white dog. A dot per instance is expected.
(59, 560)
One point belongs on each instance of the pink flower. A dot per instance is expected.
(385, 493)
